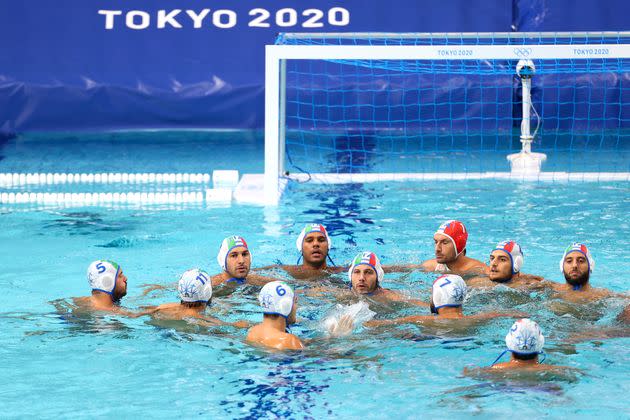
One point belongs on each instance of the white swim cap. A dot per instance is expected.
(581, 248)
(102, 275)
(195, 286)
(311, 227)
(227, 245)
(525, 337)
(276, 298)
(367, 258)
(515, 253)
(448, 290)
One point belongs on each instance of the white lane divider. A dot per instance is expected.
(102, 198)
(18, 179)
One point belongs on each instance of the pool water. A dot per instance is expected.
(61, 364)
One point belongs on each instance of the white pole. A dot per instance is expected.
(526, 163)
(283, 116)
(526, 137)
(272, 107)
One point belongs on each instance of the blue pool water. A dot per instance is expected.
(60, 365)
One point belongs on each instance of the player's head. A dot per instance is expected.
(365, 273)
(278, 299)
(448, 291)
(234, 257)
(107, 277)
(506, 260)
(195, 287)
(577, 264)
(525, 339)
(314, 243)
(450, 241)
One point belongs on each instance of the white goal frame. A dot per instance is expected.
(275, 94)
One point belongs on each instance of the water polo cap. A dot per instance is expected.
(102, 275)
(195, 286)
(448, 290)
(367, 258)
(311, 227)
(276, 298)
(525, 337)
(581, 248)
(515, 253)
(228, 245)
(456, 232)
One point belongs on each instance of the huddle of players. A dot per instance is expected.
(365, 274)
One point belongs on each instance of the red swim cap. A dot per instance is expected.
(456, 232)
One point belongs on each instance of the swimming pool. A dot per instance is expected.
(60, 364)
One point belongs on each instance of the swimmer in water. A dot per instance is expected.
(314, 244)
(109, 286)
(365, 276)
(577, 265)
(279, 305)
(235, 260)
(447, 299)
(506, 261)
(525, 343)
(450, 252)
(195, 294)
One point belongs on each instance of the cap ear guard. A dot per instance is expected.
(517, 264)
(102, 276)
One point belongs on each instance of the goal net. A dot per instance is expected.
(361, 107)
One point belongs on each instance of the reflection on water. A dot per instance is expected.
(80, 320)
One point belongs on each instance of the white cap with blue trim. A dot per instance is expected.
(102, 275)
(525, 337)
(582, 249)
(310, 228)
(370, 259)
(227, 245)
(195, 286)
(276, 298)
(448, 290)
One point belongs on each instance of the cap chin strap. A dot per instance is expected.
(327, 256)
(544, 356)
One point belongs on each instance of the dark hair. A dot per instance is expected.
(194, 304)
(521, 356)
(272, 316)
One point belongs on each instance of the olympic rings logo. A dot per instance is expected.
(522, 52)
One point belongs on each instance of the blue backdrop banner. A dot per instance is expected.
(113, 64)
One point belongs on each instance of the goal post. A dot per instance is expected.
(480, 67)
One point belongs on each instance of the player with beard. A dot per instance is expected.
(576, 265)
(109, 286)
(506, 261)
